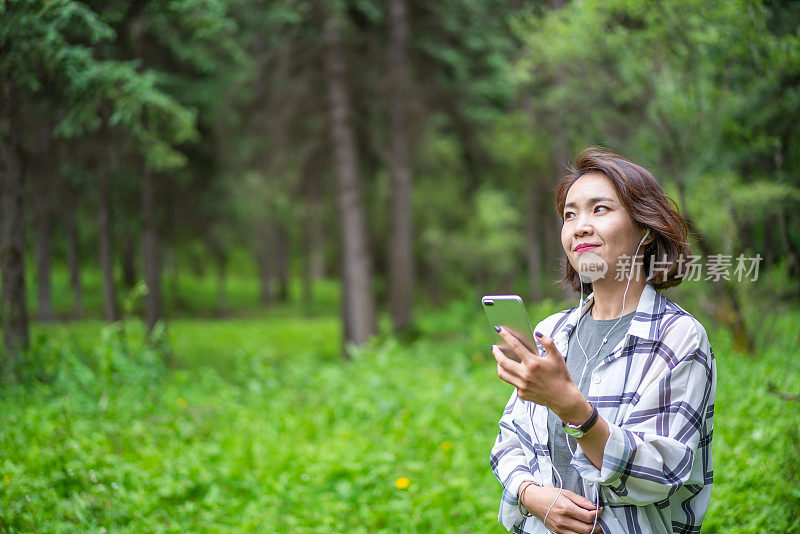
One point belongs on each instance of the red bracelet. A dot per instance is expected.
(520, 506)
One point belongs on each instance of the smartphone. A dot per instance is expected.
(509, 311)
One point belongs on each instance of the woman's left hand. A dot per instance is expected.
(540, 380)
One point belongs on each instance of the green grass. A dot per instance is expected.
(261, 427)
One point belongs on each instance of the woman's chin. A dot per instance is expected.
(591, 266)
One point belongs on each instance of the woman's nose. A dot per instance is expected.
(582, 228)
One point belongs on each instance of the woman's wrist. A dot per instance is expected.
(531, 499)
(576, 410)
(525, 490)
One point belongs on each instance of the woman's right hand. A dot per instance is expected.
(571, 514)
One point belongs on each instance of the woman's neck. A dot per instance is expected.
(608, 297)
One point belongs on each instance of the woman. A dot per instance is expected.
(609, 426)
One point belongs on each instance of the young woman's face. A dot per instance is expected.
(593, 215)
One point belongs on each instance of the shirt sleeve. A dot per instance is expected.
(651, 453)
(508, 463)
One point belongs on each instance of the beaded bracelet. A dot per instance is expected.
(523, 487)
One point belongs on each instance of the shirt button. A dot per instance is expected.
(590, 483)
(596, 379)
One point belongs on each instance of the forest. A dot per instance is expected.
(243, 246)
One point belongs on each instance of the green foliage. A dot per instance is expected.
(698, 92)
(36, 40)
(467, 46)
(487, 244)
(754, 199)
(518, 150)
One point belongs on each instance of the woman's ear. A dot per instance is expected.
(649, 237)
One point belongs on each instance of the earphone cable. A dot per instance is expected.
(586, 364)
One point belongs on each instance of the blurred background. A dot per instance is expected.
(244, 243)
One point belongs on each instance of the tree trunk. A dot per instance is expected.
(311, 238)
(358, 302)
(110, 308)
(67, 211)
(128, 259)
(282, 261)
(793, 254)
(534, 248)
(216, 250)
(44, 256)
(401, 251)
(263, 262)
(307, 289)
(312, 229)
(42, 179)
(13, 306)
(316, 244)
(170, 268)
(222, 294)
(44, 248)
(554, 251)
(74, 257)
(153, 309)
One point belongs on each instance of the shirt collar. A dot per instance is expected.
(644, 325)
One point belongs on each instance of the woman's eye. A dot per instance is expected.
(604, 207)
(567, 214)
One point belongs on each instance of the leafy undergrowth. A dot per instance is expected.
(261, 428)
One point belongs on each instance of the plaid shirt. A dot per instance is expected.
(656, 392)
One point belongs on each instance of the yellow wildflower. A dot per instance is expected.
(402, 483)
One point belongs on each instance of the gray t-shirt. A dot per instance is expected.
(591, 332)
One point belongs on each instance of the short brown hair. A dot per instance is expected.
(648, 206)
